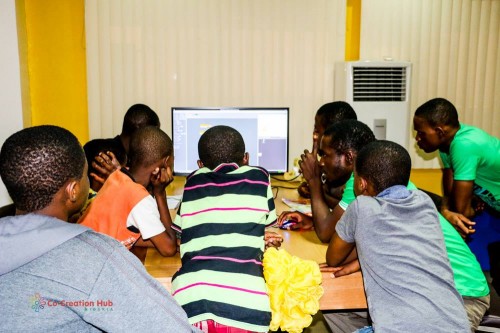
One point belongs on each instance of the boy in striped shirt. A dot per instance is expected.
(225, 209)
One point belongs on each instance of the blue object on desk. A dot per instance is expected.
(287, 224)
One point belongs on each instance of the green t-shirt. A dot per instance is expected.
(348, 196)
(475, 155)
(469, 278)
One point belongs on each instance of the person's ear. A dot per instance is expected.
(166, 162)
(350, 157)
(246, 159)
(440, 131)
(200, 164)
(362, 185)
(71, 190)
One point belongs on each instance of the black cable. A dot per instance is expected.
(286, 187)
(277, 190)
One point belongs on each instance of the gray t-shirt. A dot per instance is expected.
(407, 275)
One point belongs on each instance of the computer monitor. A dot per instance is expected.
(264, 130)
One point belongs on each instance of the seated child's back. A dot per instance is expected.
(406, 271)
(222, 218)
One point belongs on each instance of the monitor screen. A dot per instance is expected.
(264, 130)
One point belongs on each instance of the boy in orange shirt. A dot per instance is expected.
(124, 209)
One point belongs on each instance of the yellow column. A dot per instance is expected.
(353, 28)
(53, 64)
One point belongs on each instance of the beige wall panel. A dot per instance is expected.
(454, 48)
(268, 53)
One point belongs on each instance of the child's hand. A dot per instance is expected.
(309, 166)
(295, 220)
(477, 204)
(272, 239)
(160, 178)
(105, 164)
(461, 223)
(304, 191)
(339, 271)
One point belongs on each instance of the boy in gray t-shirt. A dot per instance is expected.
(407, 275)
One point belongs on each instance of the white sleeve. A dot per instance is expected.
(146, 217)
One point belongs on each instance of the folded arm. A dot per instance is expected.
(456, 205)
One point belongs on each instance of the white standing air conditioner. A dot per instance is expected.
(379, 92)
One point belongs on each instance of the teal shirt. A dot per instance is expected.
(475, 156)
(469, 278)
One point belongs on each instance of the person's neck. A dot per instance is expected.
(52, 212)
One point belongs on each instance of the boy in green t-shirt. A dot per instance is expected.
(471, 177)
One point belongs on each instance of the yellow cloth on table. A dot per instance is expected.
(294, 287)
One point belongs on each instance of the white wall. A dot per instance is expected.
(233, 53)
(454, 49)
(10, 83)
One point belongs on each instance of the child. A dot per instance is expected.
(471, 177)
(225, 208)
(57, 276)
(137, 116)
(124, 209)
(328, 114)
(109, 149)
(406, 271)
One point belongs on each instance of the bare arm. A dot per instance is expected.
(165, 242)
(447, 181)
(462, 197)
(456, 204)
(346, 268)
(338, 251)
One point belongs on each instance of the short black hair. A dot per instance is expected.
(36, 162)
(334, 112)
(437, 112)
(384, 164)
(349, 135)
(138, 116)
(148, 145)
(221, 144)
(96, 146)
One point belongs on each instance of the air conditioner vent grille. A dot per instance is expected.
(379, 84)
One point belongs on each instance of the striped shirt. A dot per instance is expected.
(222, 219)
